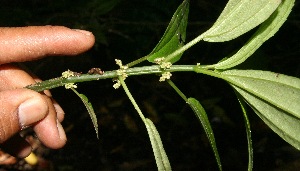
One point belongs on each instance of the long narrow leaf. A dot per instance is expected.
(90, 110)
(238, 17)
(201, 115)
(248, 132)
(174, 36)
(265, 31)
(277, 89)
(274, 97)
(161, 157)
(283, 123)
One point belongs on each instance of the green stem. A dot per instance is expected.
(177, 90)
(154, 69)
(184, 48)
(142, 59)
(206, 71)
(172, 55)
(57, 82)
(132, 99)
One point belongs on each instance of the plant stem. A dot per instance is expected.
(206, 71)
(172, 55)
(184, 48)
(142, 59)
(132, 99)
(154, 69)
(57, 82)
(177, 90)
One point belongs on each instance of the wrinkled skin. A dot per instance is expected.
(20, 107)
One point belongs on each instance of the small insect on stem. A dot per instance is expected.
(95, 71)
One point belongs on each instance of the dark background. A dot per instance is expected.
(128, 30)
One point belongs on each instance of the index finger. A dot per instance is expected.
(20, 44)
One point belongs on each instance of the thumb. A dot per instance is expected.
(20, 108)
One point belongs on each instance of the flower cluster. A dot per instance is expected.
(165, 76)
(120, 72)
(164, 65)
(67, 74)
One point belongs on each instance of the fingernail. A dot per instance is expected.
(88, 33)
(31, 111)
(61, 132)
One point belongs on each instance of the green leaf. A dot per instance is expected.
(278, 89)
(274, 97)
(201, 115)
(90, 110)
(248, 132)
(174, 36)
(161, 157)
(264, 32)
(281, 122)
(238, 17)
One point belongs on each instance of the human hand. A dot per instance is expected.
(21, 107)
